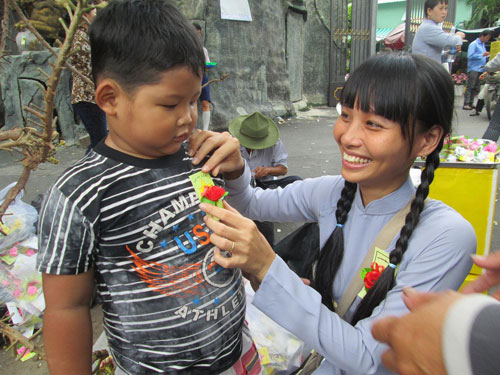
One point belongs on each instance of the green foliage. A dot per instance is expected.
(485, 13)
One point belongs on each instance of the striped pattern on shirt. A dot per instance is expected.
(168, 307)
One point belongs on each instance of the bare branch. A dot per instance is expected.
(12, 134)
(38, 148)
(35, 123)
(43, 72)
(5, 28)
(12, 194)
(15, 337)
(42, 39)
(40, 109)
(41, 116)
(220, 79)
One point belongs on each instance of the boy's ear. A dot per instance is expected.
(429, 140)
(107, 93)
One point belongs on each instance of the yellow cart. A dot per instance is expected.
(470, 188)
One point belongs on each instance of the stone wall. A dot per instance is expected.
(317, 52)
(254, 54)
(20, 81)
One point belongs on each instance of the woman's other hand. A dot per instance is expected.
(226, 157)
(240, 237)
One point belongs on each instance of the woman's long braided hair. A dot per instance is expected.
(417, 93)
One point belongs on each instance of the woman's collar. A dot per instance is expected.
(391, 203)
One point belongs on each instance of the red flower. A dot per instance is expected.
(372, 276)
(214, 193)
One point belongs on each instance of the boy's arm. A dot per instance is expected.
(67, 327)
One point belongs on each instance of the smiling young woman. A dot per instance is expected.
(394, 107)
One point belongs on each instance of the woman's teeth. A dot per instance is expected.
(355, 159)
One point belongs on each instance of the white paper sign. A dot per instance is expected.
(237, 10)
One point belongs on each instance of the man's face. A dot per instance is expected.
(485, 38)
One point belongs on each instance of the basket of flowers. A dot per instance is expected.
(459, 80)
(472, 150)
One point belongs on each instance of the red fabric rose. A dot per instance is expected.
(214, 193)
(372, 276)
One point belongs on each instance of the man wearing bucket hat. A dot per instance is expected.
(262, 149)
(265, 155)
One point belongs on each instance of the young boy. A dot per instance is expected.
(127, 216)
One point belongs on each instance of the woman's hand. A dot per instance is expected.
(240, 237)
(226, 157)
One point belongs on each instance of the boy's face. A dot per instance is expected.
(156, 118)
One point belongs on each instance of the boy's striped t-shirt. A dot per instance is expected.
(168, 307)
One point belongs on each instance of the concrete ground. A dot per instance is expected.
(312, 151)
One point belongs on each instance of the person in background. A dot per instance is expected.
(395, 107)
(449, 332)
(477, 56)
(480, 97)
(493, 130)
(430, 39)
(83, 92)
(262, 149)
(205, 91)
(265, 155)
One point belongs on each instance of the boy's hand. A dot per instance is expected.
(226, 157)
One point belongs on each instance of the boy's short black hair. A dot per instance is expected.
(134, 41)
(197, 26)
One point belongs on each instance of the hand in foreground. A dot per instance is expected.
(240, 237)
(490, 278)
(415, 339)
(260, 172)
(226, 157)
(460, 34)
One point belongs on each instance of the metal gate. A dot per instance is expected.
(355, 36)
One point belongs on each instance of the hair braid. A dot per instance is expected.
(378, 292)
(331, 255)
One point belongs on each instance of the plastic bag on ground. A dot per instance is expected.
(280, 351)
(18, 221)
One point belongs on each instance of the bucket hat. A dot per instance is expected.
(254, 131)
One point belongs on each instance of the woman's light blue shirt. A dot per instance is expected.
(437, 258)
